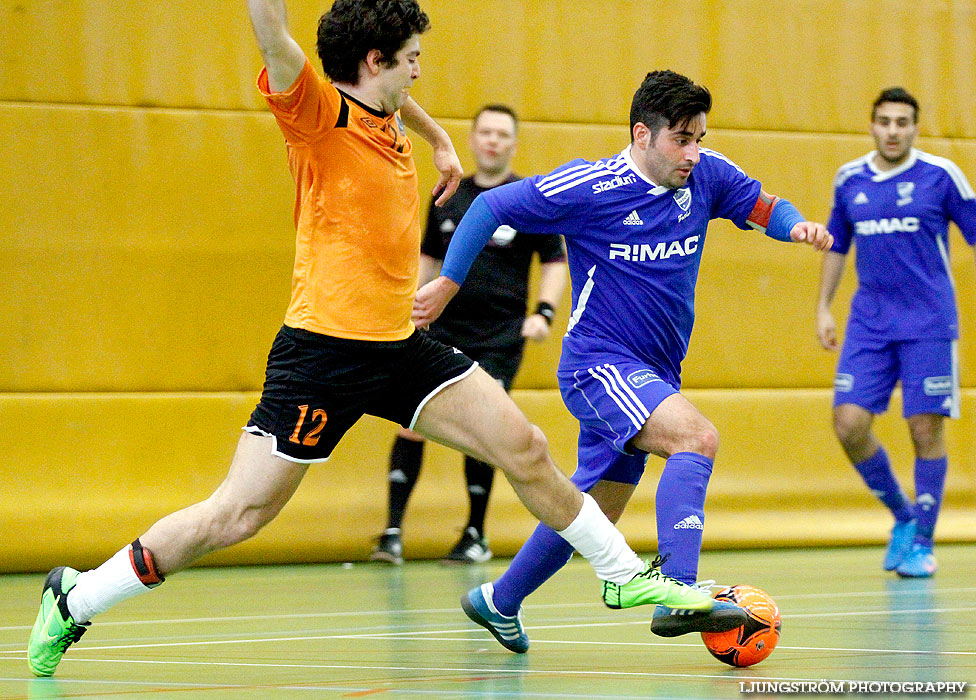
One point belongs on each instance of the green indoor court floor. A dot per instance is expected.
(368, 630)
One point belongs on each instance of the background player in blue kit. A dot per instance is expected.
(486, 321)
(896, 203)
(635, 226)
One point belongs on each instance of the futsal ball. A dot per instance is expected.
(753, 641)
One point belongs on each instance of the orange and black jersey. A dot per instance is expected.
(356, 212)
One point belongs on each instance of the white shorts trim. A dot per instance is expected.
(255, 430)
(453, 380)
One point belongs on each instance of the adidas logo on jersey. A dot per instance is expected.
(633, 219)
(861, 198)
(692, 522)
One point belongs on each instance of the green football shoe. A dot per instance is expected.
(651, 587)
(54, 631)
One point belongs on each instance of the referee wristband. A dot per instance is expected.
(547, 311)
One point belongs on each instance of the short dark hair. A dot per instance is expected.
(667, 98)
(352, 28)
(895, 94)
(497, 107)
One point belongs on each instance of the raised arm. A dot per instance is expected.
(445, 157)
(831, 272)
(282, 55)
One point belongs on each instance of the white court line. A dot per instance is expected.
(437, 635)
(386, 686)
(287, 616)
(468, 670)
(437, 611)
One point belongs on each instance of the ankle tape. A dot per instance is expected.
(144, 565)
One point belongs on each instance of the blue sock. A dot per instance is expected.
(680, 505)
(877, 474)
(542, 555)
(930, 477)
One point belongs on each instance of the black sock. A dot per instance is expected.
(405, 460)
(480, 477)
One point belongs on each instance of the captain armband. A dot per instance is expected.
(774, 216)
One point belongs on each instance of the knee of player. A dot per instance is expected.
(240, 523)
(707, 441)
(848, 429)
(531, 450)
(927, 435)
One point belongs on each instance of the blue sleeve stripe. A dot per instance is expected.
(784, 217)
(472, 234)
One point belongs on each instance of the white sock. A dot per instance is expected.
(97, 590)
(596, 538)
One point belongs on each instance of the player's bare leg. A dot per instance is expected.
(256, 488)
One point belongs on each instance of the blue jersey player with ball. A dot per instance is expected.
(894, 205)
(634, 225)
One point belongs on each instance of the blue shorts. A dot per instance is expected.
(612, 401)
(928, 371)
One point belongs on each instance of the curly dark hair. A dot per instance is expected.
(666, 98)
(895, 94)
(352, 28)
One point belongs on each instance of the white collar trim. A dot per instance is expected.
(656, 189)
(882, 175)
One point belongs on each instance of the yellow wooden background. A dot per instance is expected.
(146, 245)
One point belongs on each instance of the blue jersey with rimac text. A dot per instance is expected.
(899, 222)
(634, 249)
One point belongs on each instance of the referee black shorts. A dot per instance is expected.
(316, 387)
(502, 364)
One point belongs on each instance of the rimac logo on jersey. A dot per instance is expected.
(613, 183)
(907, 224)
(937, 386)
(682, 198)
(641, 377)
(641, 252)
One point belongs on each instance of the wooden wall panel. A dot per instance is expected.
(803, 65)
(115, 463)
(151, 249)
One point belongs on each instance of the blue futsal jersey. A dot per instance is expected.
(899, 221)
(634, 249)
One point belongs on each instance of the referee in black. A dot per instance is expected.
(487, 321)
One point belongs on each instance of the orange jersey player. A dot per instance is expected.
(356, 211)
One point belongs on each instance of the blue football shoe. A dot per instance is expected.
(900, 544)
(920, 562)
(479, 606)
